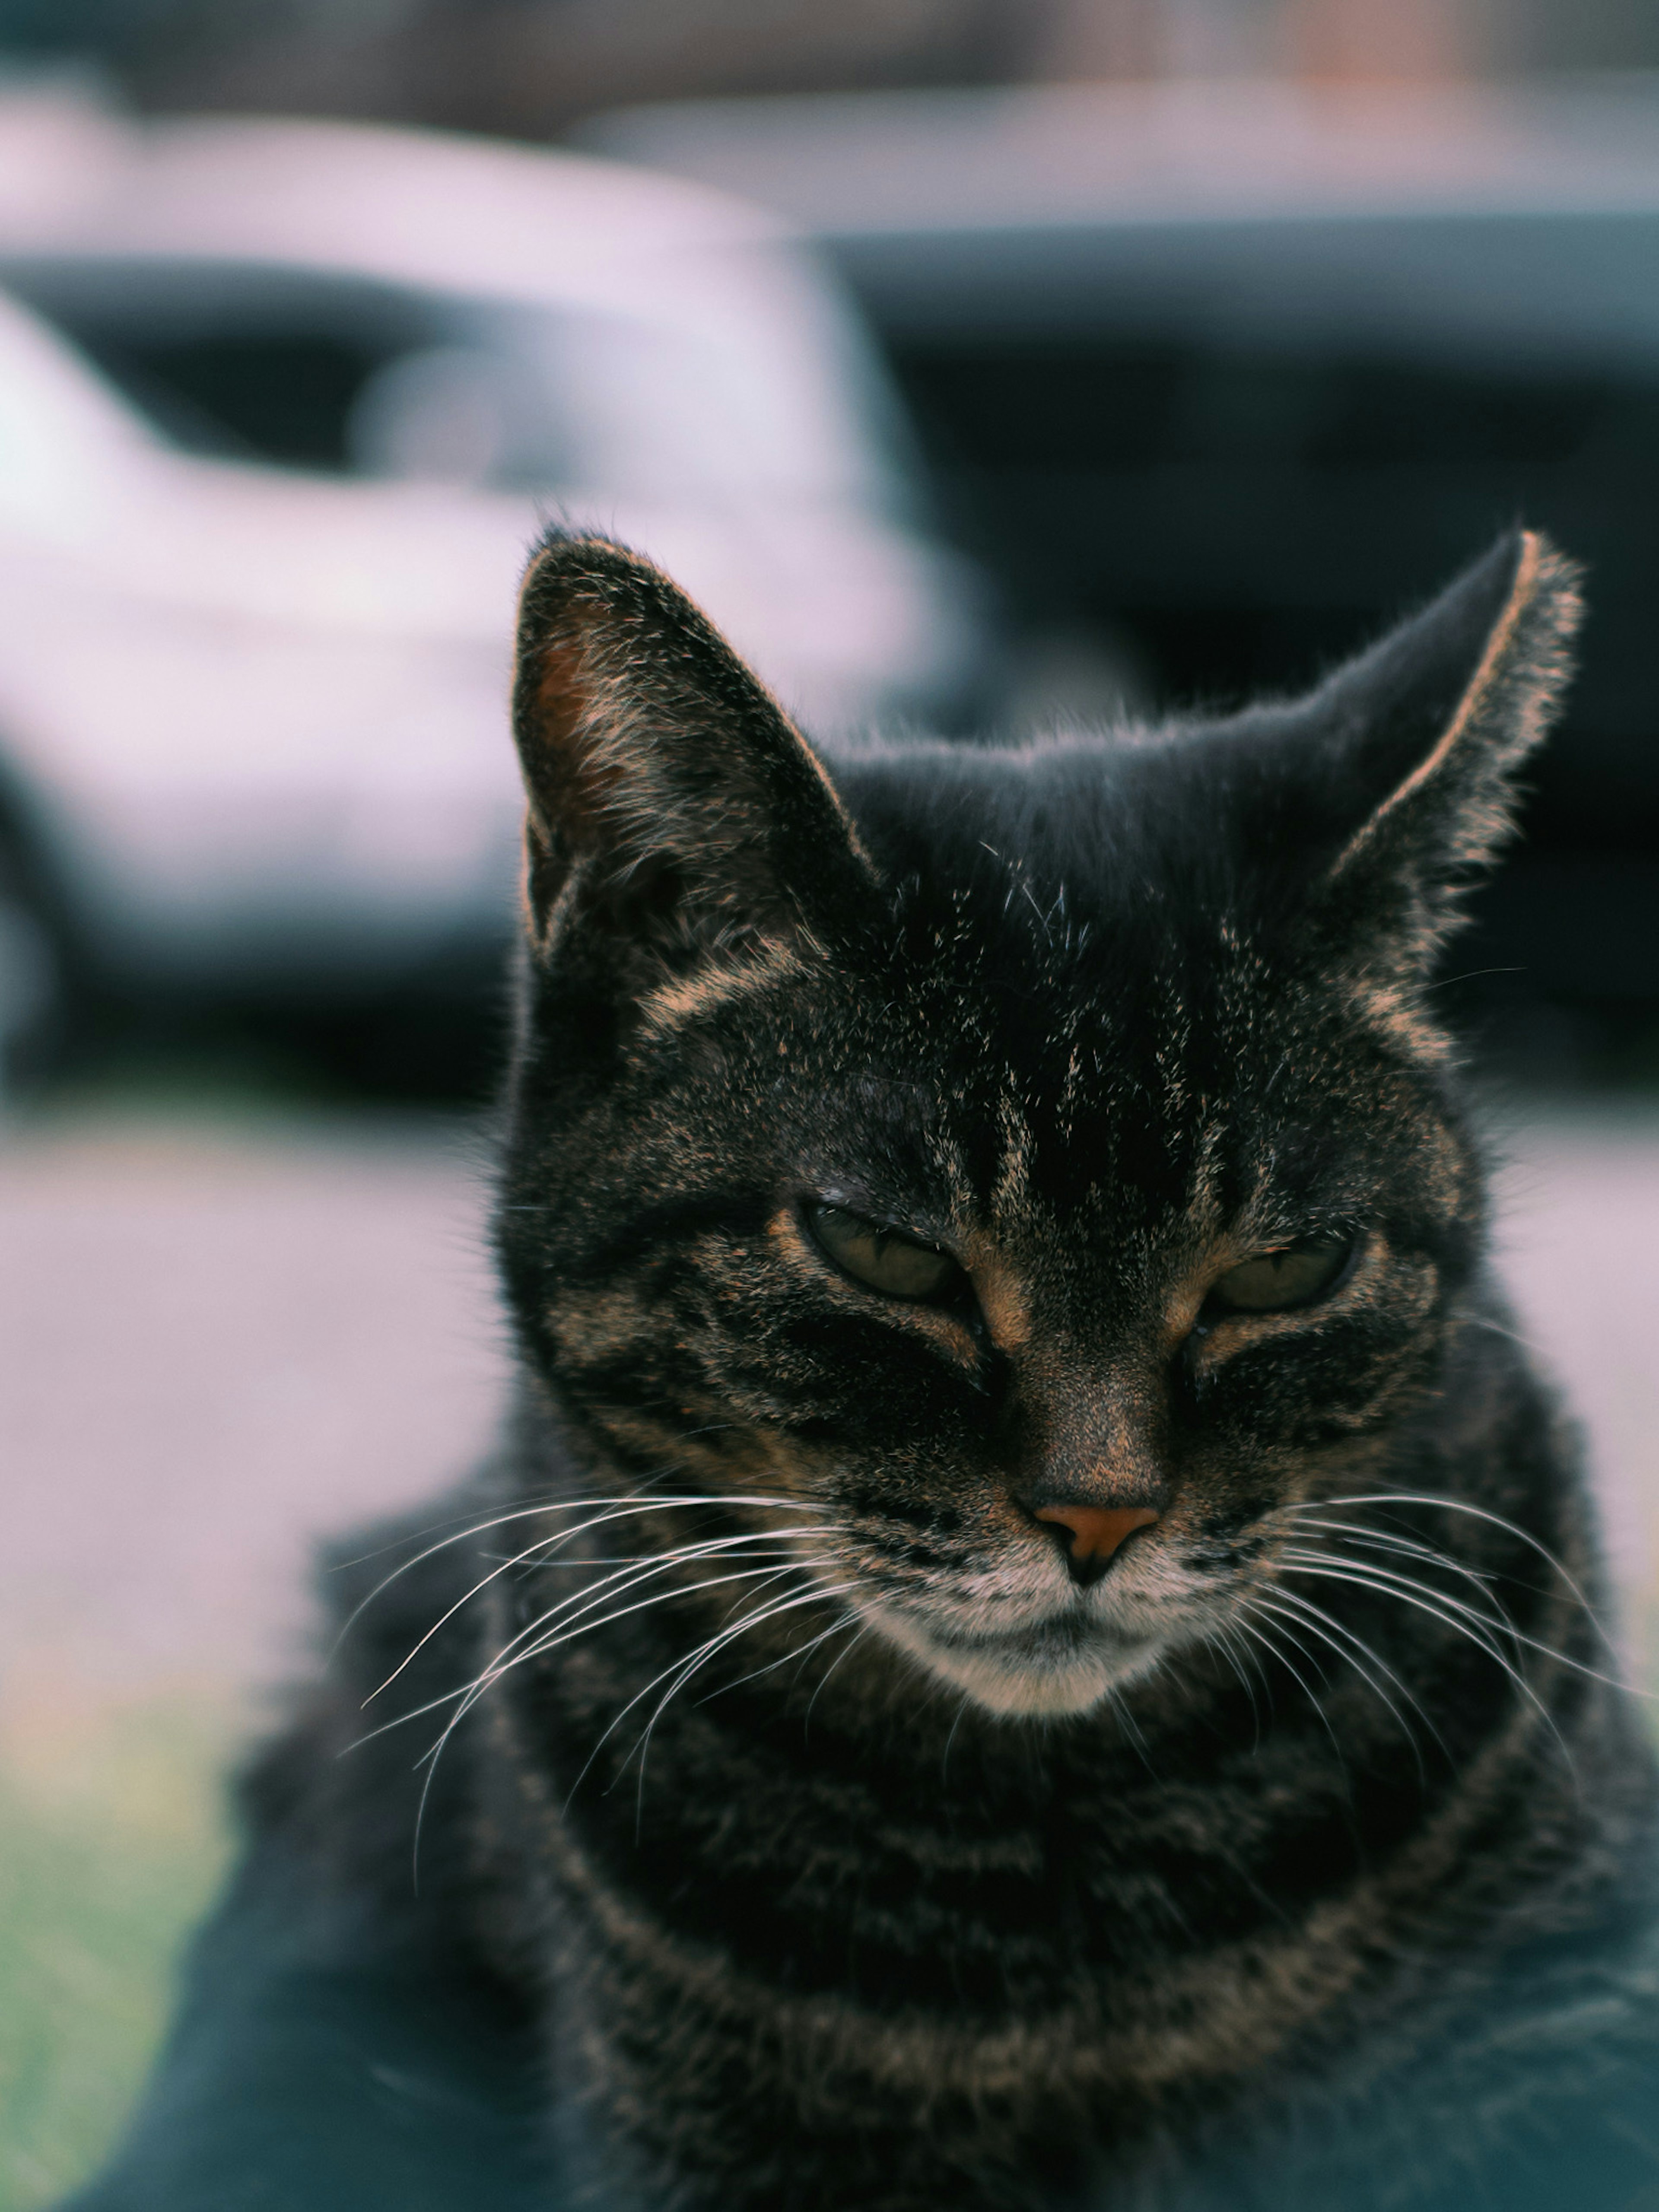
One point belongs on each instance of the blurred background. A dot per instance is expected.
(979, 364)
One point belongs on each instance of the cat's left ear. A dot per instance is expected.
(673, 806)
(1407, 757)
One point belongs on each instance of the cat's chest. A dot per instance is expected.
(1063, 1888)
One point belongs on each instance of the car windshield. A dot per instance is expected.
(734, 383)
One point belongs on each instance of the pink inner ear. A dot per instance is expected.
(569, 781)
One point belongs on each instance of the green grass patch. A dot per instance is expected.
(113, 1840)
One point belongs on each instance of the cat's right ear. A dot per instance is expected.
(1382, 797)
(672, 804)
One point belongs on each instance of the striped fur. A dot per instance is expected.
(865, 1857)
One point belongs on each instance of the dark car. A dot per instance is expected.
(1217, 378)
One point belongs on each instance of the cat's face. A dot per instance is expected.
(1031, 1169)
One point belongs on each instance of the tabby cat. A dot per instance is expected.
(1032, 1642)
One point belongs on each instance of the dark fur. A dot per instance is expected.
(890, 1923)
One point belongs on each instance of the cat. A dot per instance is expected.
(1032, 1640)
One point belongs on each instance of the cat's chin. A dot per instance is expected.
(1051, 1671)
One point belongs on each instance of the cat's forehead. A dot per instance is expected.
(1025, 1108)
(1072, 1020)
(1068, 813)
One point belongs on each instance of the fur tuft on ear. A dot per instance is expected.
(1381, 796)
(669, 797)
(1458, 799)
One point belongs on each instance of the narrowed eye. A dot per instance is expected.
(885, 1259)
(1275, 1280)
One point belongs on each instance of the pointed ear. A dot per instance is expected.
(1407, 758)
(671, 802)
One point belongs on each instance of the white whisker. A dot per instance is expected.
(1256, 1604)
(1435, 1604)
(1355, 1652)
(699, 1659)
(1492, 1520)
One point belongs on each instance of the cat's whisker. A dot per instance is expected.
(695, 1662)
(1435, 1605)
(580, 1602)
(556, 1542)
(1497, 1328)
(1130, 1727)
(493, 1674)
(1454, 1610)
(1449, 1504)
(1220, 1638)
(1355, 1652)
(1248, 1660)
(864, 1629)
(1271, 1645)
(632, 1503)
(1497, 1620)
(565, 1633)
(703, 1650)
(500, 1664)
(962, 1704)
(1405, 1548)
(1485, 1581)
(801, 1651)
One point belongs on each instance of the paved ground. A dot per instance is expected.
(218, 1340)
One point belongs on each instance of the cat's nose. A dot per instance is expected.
(1091, 1534)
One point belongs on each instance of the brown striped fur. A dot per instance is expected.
(952, 1880)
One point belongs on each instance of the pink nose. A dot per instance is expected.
(1097, 1530)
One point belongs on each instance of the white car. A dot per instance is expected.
(282, 407)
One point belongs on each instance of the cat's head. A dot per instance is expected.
(1039, 1163)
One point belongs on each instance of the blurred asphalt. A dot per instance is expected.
(218, 1340)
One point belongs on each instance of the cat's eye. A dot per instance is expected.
(1275, 1281)
(885, 1260)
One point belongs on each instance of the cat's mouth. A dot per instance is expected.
(1064, 1662)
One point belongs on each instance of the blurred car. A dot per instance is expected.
(1217, 377)
(282, 406)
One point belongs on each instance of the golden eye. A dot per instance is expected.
(1276, 1280)
(886, 1259)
